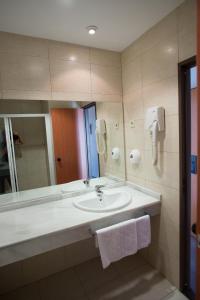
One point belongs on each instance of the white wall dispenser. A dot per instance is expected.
(135, 156)
(115, 153)
(155, 123)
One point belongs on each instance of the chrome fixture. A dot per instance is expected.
(99, 191)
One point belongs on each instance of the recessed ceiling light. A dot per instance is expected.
(92, 29)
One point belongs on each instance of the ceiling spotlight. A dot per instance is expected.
(92, 29)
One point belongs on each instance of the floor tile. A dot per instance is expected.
(176, 295)
(63, 285)
(92, 275)
(129, 264)
(128, 279)
(143, 284)
(29, 292)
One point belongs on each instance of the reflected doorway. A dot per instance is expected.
(91, 145)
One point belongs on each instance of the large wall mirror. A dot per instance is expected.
(44, 143)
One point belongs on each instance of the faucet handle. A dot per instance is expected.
(86, 181)
(98, 187)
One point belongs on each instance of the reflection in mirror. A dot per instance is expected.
(44, 143)
(5, 182)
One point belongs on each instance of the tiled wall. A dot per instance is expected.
(150, 77)
(39, 69)
(112, 113)
(40, 266)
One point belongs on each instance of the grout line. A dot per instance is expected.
(166, 296)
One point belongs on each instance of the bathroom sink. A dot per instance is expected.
(111, 200)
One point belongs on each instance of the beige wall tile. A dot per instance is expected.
(131, 52)
(136, 180)
(170, 203)
(79, 252)
(187, 17)
(106, 98)
(64, 285)
(26, 95)
(187, 45)
(71, 96)
(160, 33)
(162, 93)
(166, 172)
(106, 80)
(165, 262)
(160, 62)
(23, 45)
(21, 106)
(11, 277)
(24, 73)
(70, 52)
(25, 77)
(68, 76)
(187, 29)
(112, 113)
(42, 265)
(26, 64)
(163, 253)
(135, 136)
(133, 106)
(132, 76)
(95, 276)
(105, 57)
(168, 140)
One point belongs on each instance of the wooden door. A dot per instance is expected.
(198, 145)
(65, 144)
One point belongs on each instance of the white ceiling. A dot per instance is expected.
(120, 22)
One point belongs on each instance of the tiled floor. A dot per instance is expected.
(128, 279)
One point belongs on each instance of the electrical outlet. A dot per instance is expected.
(132, 124)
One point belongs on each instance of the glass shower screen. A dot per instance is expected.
(28, 159)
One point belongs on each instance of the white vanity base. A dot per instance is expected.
(35, 229)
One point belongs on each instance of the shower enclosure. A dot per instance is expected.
(26, 152)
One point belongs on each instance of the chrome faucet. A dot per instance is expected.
(99, 191)
(87, 182)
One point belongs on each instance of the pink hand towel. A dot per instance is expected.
(143, 232)
(117, 241)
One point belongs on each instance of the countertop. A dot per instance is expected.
(23, 224)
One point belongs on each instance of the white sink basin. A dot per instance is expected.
(111, 200)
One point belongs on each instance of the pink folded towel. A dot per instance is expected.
(123, 239)
(143, 232)
(117, 241)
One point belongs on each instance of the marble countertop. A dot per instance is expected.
(23, 224)
(50, 192)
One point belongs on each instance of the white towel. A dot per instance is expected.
(117, 241)
(143, 232)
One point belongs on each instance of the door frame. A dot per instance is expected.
(86, 107)
(198, 152)
(184, 168)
